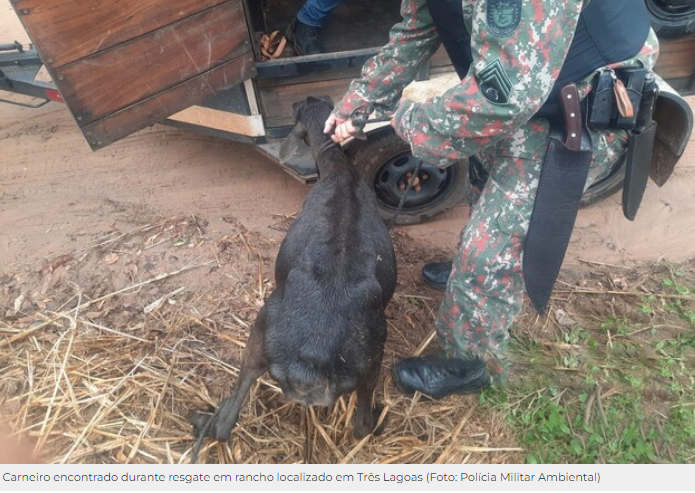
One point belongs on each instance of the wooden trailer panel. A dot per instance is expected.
(156, 108)
(135, 63)
(676, 63)
(120, 76)
(68, 30)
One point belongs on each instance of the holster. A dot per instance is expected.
(659, 130)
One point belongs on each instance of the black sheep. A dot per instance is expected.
(321, 333)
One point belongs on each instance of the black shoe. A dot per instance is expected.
(440, 377)
(436, 274)
(305, 39)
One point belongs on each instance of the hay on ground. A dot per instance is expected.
(106, 351)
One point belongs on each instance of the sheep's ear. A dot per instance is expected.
(328, 99)
(293, 144)
(296, 108)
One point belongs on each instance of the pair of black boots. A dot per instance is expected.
(440, 377)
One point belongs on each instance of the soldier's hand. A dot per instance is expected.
(341, 128)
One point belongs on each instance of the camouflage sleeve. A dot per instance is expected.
(518, 48)
(384, 76)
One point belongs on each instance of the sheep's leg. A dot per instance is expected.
(367, 414)
(220, 424)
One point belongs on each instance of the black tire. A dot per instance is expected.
(384, 161)
(672, 18)
(605, 187)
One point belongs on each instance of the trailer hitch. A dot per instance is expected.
(16, 46)
(6, 85)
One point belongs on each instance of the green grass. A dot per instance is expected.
(616, 390)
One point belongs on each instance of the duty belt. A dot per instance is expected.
(652, 151)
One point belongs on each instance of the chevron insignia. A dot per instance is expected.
(494, 83)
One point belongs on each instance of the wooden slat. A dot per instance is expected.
(276, 102)
(350, 73)
(193, 91)
(124, 74)
(676, 58)
(67, 30)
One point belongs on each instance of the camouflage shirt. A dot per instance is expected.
(525, 61)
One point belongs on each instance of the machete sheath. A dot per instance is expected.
(640, 150)
(560, 188)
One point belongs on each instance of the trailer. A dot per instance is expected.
(123, 65)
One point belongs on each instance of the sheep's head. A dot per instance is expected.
(310, 115)
(312, 110)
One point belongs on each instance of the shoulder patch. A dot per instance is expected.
(494, 83)
(503, 16)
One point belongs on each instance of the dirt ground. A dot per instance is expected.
(76, 222)
(55, 192)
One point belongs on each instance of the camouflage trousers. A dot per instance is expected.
(486, 287)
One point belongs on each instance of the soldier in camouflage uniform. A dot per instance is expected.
(518, 50)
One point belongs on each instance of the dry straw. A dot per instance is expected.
(100, 372)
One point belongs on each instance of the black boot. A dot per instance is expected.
(305, 39)
(440, 377)
(436, 274)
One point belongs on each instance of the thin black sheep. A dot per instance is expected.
(321, 333)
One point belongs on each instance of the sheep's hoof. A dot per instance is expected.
(363, 429)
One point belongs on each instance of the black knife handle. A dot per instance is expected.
(650, 93)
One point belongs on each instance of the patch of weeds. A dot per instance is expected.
(677, 287)
(625, 349)
(634, 381)
(592, 373)
(571, 361)
(622, 397)
(677, 308)
(617, 326)
(577, 336)
(647, 309)
(676, 284)
(647, 305)
(689, 316)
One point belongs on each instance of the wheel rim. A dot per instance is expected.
(391, 179)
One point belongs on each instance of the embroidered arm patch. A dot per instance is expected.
(494, 83)
(503, 16)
